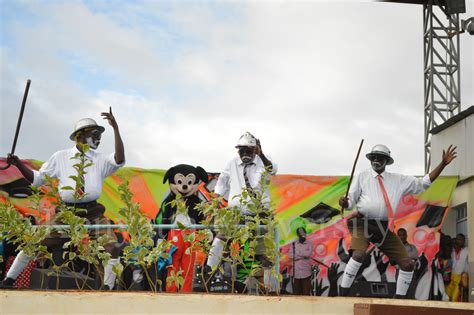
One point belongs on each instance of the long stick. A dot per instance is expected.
(352, 175)
(20, 118)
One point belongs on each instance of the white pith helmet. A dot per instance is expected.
(247, 140)
(83, 124)
(380, 149)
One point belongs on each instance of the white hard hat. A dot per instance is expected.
(83, 124)
(380, 149)
(247, 140)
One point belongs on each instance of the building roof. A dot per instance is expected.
(406, 1)
(451, 121)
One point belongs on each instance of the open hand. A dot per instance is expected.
(449, 154)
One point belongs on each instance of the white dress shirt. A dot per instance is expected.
(367, 196)
(231, 181)
(460, 261)
(60, 166)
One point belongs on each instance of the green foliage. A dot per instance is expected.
(243, 234)
(19, 230)
(176, 278)
(140, 250)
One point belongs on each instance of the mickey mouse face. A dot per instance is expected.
(185, 185)
(184, 179)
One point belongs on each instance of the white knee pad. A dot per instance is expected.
(19, 264)
(216, 252)
(109, 275)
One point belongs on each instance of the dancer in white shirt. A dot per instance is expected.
(61, 166)
(243, 172)
(376, 193)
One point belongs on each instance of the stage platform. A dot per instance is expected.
(73, 302)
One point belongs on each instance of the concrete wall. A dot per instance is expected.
(54, 302)
(460, 134)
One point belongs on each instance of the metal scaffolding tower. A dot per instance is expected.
(442, 91)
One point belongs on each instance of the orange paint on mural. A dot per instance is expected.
(294, 189)
(141, 194)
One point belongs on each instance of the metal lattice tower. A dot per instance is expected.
(442, 91)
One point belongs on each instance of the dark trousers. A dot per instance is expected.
(302, 286)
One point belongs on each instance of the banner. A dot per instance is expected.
(309, 201)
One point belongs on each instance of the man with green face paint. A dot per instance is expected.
(376, 193)
(86, 134)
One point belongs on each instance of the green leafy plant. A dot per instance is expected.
(141, 250)
(80, 245)
(21, 232)
(243, 234)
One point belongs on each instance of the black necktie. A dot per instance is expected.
(246, 178)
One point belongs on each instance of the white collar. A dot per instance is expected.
(88, 154)
(253, 161)
(375, 174)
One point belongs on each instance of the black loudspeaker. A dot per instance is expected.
(455, 6)
(217, 284)
(220, 286)
(48, 279)
(198, 282)
(373, 289)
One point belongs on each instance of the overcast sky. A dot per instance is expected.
(186, 78)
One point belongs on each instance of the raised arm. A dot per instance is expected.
(448, 155)
(119, 148)
(268, 164)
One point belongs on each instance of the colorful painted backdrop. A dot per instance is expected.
(310, 201)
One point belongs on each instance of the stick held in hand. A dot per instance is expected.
(20, 118)
(352, 174)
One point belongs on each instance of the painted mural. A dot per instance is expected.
(309, 201)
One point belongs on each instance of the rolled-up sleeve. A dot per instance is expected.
(48, 168)
(354, 192)
(414, 185)
(274, 165)
(274, 168)
(110, 165)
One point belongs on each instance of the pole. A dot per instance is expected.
(352, 174)
(18, 124)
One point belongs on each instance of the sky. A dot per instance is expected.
(185, 79)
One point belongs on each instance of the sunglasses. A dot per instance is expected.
(378, 157)
(95, 133)
(248, 150)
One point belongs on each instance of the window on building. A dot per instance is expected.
(461, 219)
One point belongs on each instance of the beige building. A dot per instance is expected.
(459, 130)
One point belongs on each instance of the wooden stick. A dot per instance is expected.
(20, 118)
(18, 124)
(352, 175)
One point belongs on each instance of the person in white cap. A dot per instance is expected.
(61, 166)
(376, 193)
(243, 171)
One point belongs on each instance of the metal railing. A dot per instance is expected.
(171, 227)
